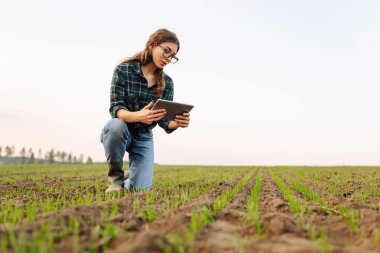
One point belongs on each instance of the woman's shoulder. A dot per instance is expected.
(126, 67)
(168, 80)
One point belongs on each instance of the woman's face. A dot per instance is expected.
(162, 54)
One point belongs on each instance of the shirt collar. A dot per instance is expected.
(137, 68)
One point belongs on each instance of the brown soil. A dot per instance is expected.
(125, 220)
(341, 237)
(230, 232)
(349, 189)
(47, 182)
(224, 234)
(174, 222)
(10, 175)
(22, 200)
(282, 233)
(33, 184)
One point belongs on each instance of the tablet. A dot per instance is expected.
(172, 108)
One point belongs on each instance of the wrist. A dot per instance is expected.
(137, 117)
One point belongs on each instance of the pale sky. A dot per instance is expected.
(273, 82)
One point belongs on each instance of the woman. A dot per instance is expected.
(136, 84)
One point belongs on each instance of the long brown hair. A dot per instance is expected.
(145, 56)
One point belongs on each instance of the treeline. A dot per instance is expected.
(28, 155)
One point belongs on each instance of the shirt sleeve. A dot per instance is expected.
(168, 95)
(118, 92)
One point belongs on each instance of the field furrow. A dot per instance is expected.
(63, 208)
(169, 232)
(229, 227)
(347, 229)
(92, 227)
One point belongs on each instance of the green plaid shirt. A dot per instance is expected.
(129, 91)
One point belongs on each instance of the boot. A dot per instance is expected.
(116, 184)
(115, 177)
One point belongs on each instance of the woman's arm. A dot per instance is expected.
(127, 116)
(145, 115)
(118, 91)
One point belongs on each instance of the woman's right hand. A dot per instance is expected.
(148, 116)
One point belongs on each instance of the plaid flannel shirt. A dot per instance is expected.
(130, 91)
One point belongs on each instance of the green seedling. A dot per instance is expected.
(148, 215)
(351, 216)
(253, 206)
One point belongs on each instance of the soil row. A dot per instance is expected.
(230, 232)
(341, 237)
(126, 219)
(349, 188)
(174, 222)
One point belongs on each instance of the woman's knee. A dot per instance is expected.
(116, 129)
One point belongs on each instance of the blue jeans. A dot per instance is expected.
(117, 139)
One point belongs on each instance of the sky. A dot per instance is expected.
(272, 82)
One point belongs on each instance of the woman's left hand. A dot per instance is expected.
(182, 120)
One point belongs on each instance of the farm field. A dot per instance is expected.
(63, 208)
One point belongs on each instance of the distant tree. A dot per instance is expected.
(22, 154)
(8, 151)
(39, 153)
(70, 158)
(12, 150)
(89, 160)
(63, 156)
(1, 150)
(50, 156)
(31, 159)
(75, 159)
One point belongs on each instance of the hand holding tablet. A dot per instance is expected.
(172, 108)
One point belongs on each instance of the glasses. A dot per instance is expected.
(166, 53)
